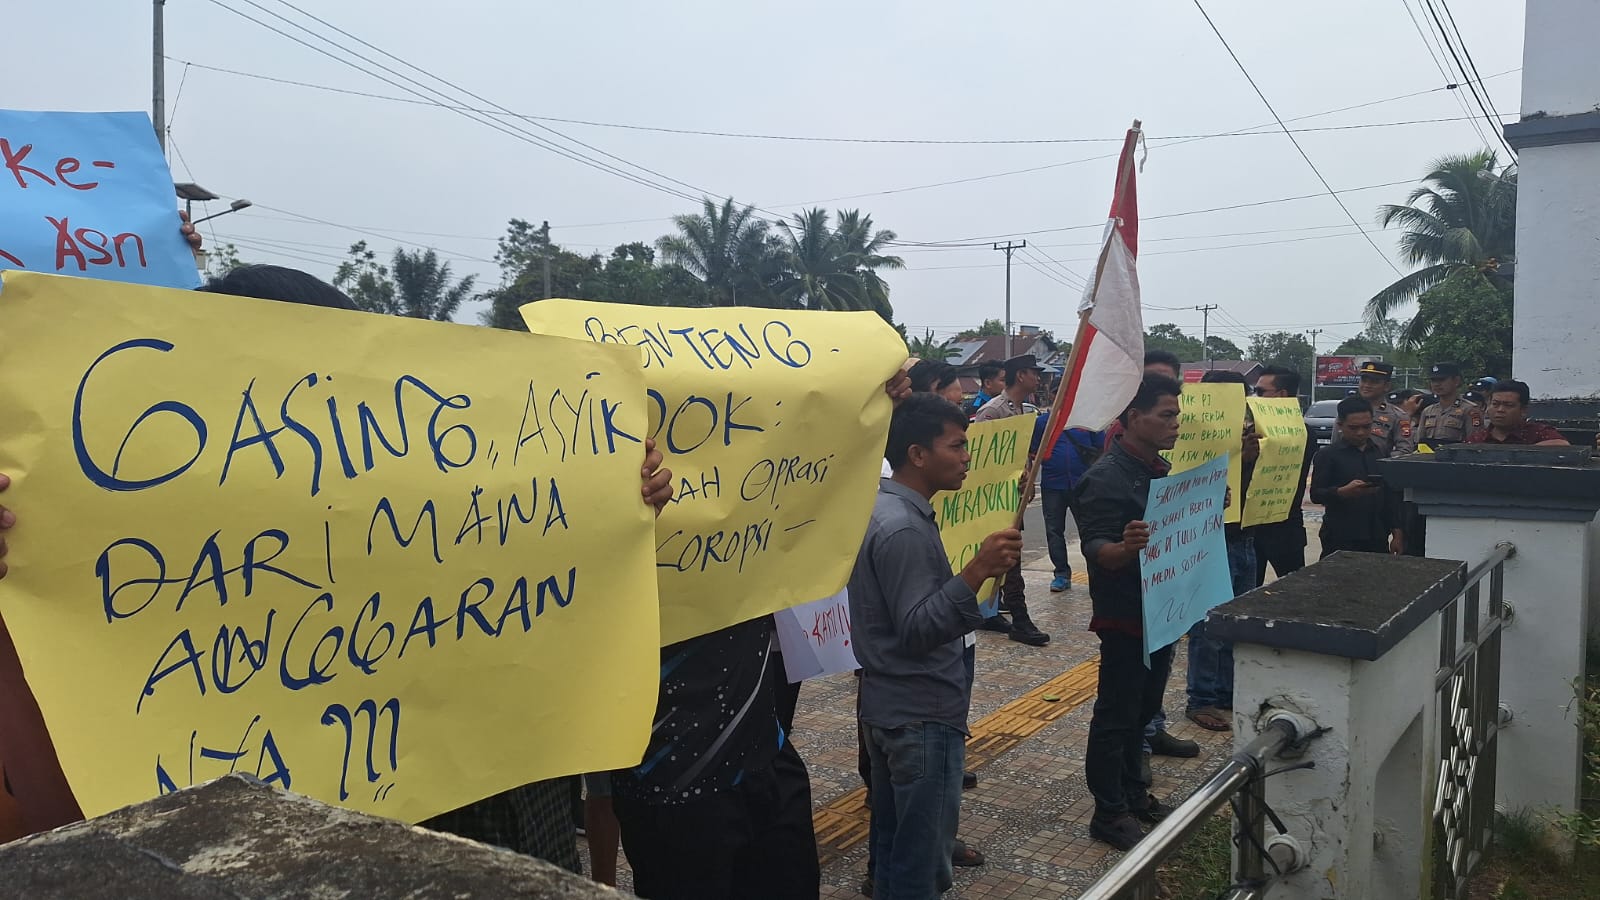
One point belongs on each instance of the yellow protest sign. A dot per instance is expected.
(1280, 470)
(987, 501)
(773, 423)
(389, 564)
(1210, 425)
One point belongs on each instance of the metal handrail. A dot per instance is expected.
(1140, 863)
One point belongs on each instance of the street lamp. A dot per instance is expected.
(233, 207)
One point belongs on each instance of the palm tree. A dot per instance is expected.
(1461, 220)
(424, 288)
(835, 268)
(726, 247)
(926, 347)
(866, 247)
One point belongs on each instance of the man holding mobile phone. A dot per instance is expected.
(1361, 513)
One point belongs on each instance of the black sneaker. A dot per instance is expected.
(1121, 832)
(969, 780)
(997, 623)
(1028, 633)
(1163, 744)
(1153, 811)
(1145, 774)
(866, 886)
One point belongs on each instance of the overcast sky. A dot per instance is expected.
(888, 70)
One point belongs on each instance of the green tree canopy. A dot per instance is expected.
(1467, 320)
(926, 347)
(1282, 348)
(989, 328)
(1171, 338)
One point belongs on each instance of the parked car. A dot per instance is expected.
(1320, 418)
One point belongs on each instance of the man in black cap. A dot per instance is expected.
(1022, 381)
(1391, 427)
(1454, 417)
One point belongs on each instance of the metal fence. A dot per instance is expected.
(1242, 782)
(1468, 685)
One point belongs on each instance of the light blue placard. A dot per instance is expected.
(89, 195)
(1184, 570)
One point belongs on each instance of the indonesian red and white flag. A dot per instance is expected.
(1108, 358)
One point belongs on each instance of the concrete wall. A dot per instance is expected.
(1556, 325)
(1560, 69)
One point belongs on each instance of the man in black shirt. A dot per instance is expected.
(1361, 514)
(1109, 507)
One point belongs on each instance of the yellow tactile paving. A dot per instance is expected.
(842, 824)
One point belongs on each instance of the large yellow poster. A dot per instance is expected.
(390, 564)
(1211, 425)
(1281, 469)
(987, 501)
(773, 423)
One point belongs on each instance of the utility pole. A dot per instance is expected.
(1205, 332)
(1009, 247)
(545, 254)
(1313, 332)
(158, 74)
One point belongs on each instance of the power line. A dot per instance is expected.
(1268, 104)
(1438, 63)
(1251, 132)
(1444, 35)
(461, 90)
(492, 123)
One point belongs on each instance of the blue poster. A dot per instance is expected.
(1184, 569)
(90, 195)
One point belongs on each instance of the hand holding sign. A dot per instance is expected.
(996, 555)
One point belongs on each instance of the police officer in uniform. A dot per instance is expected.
(1391, 428)
(1454, 417)
(1447, 421)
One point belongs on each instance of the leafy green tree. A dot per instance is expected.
(926, 347)
(1222, 348)
(1461, 220)
(1384, 338)
(221, 261)
(989, 328)
(835, 267)
(367, 281)
(865, 248)
(1282, 348)
(1171, 338)
(1466, 319)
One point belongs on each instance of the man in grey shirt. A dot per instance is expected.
(908, 613)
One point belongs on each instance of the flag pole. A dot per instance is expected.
(1030, 472)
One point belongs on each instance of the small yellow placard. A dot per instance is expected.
(1281, 468)
(987, 501)
(1211, 425)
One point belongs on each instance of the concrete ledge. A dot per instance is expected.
(236, 838)
(1350, 605)
(1552, 131)
(1494, 481)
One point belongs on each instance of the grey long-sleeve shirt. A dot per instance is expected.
(908, 612)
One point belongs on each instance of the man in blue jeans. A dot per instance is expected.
(1075, 451)
(908, 613)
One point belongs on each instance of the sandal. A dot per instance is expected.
(1210, 718)
(965, 856)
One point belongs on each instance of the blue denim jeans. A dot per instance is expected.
(916, 800)
(1211, 660)
(1056, 504)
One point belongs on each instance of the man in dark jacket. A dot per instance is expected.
(1361, 514)
(1109, 507)
(1075, 451)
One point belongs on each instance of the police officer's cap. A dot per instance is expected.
(1485, 384)
(1022, 363)
(1444, 370)
(1376, 370)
